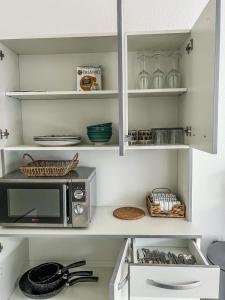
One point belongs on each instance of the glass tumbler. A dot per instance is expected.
(160, 136)
(176, 136)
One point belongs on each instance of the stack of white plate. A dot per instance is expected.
(57, 140)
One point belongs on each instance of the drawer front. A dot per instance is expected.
(174, 281)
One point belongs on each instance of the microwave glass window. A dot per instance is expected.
(33, 203)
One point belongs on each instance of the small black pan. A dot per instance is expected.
(49, 272)
(49, 286)
(26, 288)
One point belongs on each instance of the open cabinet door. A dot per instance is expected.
(199, 107)
(10, 109)
(122, 78)
(119, 283)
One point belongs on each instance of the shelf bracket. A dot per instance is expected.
(2, 55)
(190, 46)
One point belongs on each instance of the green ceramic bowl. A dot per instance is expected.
(99, 136)
(104, 125)
(99, 130)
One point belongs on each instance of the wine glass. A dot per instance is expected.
(174, 76)
(144, 78)
(158, 80)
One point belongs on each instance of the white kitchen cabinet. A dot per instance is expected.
(54, 18)
(38, 96)
(45, 69)
(194, 108)
(121, 276)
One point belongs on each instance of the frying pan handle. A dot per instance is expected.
(79, 273)
(82, 279)
(73, 265)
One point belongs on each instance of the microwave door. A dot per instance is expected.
(33, 205)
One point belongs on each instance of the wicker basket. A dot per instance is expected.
(154, 210)
(48, 168)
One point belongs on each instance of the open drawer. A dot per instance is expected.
(133, 279)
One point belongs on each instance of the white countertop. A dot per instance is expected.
(105, 225)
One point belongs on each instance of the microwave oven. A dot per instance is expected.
(67, 201)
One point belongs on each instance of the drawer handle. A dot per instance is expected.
(184, 286)
(122, 282)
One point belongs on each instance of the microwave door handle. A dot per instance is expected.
(64, 206)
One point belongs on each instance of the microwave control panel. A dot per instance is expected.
(78, 192)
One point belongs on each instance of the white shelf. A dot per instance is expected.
(163, 40)
(94, 148)
(60, 95)
(109, 94)
(157, 147)
(156, 92)
(105, 225)
(67, 148)
(63, 44)
(82, 291)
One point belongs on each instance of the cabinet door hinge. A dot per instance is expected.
(2, 55)
(190, 46)
(188, 131)
(127, 138)
(4, 134)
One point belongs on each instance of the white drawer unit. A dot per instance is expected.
(134, 280)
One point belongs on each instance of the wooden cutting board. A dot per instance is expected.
(129, 213)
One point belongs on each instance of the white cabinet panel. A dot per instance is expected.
(122, 78)
(33, 18)
(151, 15)
(12, 261)
(199, 106)
(118, 288)
(10, 112)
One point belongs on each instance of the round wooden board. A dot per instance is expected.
(129, 213)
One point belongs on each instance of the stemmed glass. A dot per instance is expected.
(174, 76)
(144, 78)
(158, 80)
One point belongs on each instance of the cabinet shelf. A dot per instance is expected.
(99, 290)
(157, 147)
(145, 227)
(59, 95)
(90, 147)
(66, 148)
(107, 94)
(156, 92)
(63, 44)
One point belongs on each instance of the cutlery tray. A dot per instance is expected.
(48, 168)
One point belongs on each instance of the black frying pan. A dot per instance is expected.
(26, 288)
(49, 272)
(50, 286)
